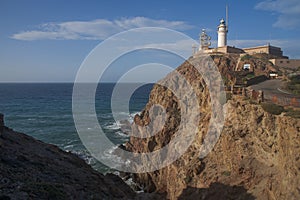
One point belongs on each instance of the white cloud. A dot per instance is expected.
(289, 12)
(179, 45)
(94, 30)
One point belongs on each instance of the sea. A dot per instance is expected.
(44, 111)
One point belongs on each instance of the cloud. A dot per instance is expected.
(288, 10)
(98, 29)
(182, 45)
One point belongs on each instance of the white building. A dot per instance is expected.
(222, 34)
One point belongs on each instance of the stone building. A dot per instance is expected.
(286, 63)
(268, 49)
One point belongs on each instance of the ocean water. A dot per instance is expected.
(44, 111)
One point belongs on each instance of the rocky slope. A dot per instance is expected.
(256, 157)
(31, 169)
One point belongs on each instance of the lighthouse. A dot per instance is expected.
(222, 34)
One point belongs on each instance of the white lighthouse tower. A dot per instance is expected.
(223, 30)
(222, 34)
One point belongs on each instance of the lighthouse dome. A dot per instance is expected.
(222, 21)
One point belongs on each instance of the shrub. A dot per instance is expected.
(272, 108)
(294, 84)
(251, 101)
(295, 79)
(188, 179)
(228, 96)
(292, 113)
(226, 173)
(246, 57)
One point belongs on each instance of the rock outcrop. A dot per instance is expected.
(256, 157)
(1, 123)
(31, 169)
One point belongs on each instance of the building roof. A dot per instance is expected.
(263, 46)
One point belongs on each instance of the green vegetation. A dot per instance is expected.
(294, 84)
(272, 108)
(246, 57)
(262, 56)
(253, 102)
(248, 77)
(251, 75)
(188, 179)
(292, 113)
(277, 110)
(226, 173)
(280, 73)
(225, 80)
(228, 96)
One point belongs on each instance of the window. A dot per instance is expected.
(287, 61)
(281, 61)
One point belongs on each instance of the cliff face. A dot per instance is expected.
(257, 155)
(31, 169)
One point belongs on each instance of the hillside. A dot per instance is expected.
(31, 169)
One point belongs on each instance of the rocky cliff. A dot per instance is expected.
(256, 157)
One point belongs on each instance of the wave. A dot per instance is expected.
(119, 124)
(115, 126)
(111, 156)
(71, 146)
(105, 115)
(120, 133)
(85, 155)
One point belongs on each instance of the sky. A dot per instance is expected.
(47, 41)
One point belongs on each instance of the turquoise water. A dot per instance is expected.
(44, 111)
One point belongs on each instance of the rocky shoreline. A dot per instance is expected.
(32, 169)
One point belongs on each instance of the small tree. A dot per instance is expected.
(294, 102)
(275, 99)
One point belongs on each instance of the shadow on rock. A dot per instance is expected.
(216, 191)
